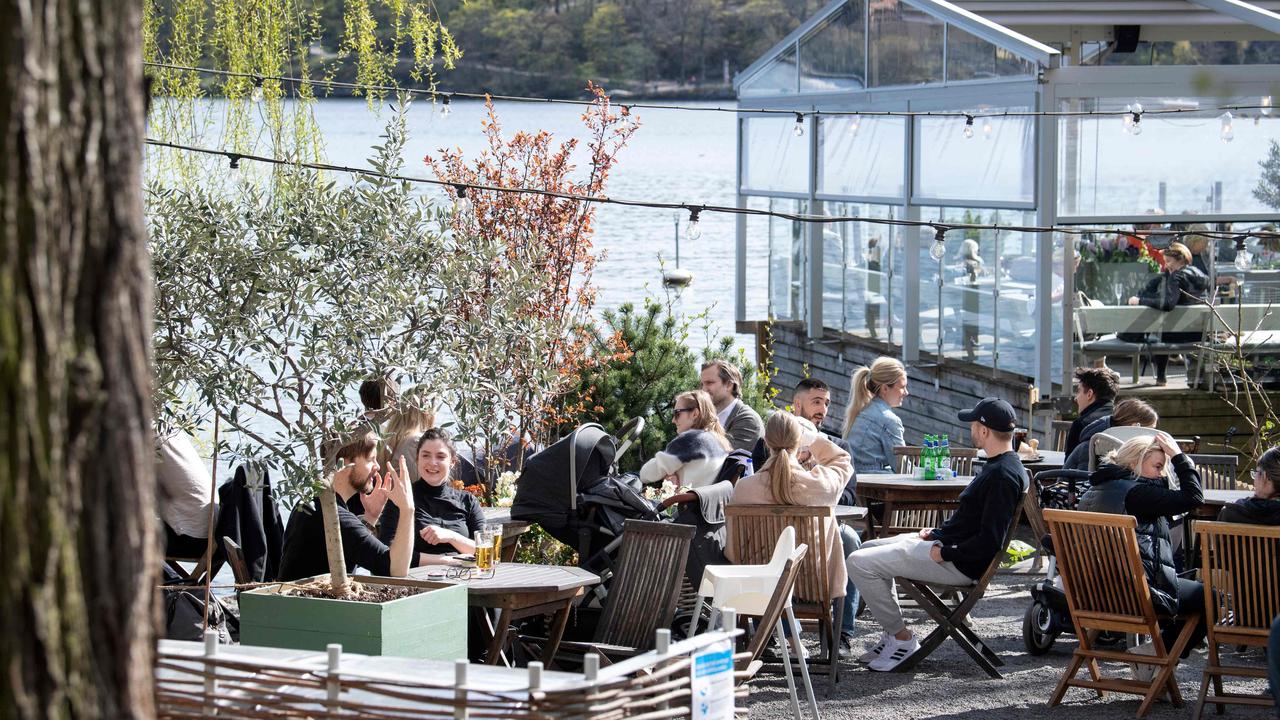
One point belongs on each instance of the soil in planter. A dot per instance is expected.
(359, 592)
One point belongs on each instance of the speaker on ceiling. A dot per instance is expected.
(1126, 38)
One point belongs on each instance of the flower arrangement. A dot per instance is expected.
(504, 490)
(1121, 249)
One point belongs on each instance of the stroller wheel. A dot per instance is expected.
(1036, 634)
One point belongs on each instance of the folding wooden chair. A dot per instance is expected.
(1241, 574)
(1217, 472)
(754, 529)
(951, 616)
(1106, 587)
(642, 597)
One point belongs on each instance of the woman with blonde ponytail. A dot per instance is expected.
(804, 468)
(871, 427)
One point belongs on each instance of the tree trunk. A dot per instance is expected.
(79, 560)
(338, 582)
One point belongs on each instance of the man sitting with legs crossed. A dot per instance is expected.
(955, 554)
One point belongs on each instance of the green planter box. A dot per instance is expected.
(431, 625)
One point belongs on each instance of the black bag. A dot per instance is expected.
(184, 613)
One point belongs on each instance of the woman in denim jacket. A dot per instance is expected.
(871, 428)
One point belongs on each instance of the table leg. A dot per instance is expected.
(556, 633)
(494, 656)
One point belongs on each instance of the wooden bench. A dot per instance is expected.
(1096, 330)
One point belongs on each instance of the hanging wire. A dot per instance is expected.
(444, 95)
(696, 209)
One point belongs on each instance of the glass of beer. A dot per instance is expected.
(484, 550)
(497, 545)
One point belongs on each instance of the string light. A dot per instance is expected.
(1265, 106)
(444, 106)
(693, 210)
(693, 230)
(968, 126)
(1228, 131)
(986, 128)
(1135, 122)
(854, 123)
(258, 94)
(364, 88)
(798, 130)
(939, 248)
(235, 162)
(463, 203)
(1244, 260)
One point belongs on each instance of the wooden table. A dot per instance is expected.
(894, 490)
(518, 591)
(1047, 460)
(1214, 500)
(511, 529)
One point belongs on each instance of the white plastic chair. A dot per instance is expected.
(748, 589)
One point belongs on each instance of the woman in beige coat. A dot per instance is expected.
(804, 468)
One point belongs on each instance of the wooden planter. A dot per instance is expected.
(431, 625)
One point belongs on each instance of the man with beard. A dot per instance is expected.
(361, 494)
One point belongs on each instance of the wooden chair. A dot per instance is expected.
(962, 459)
(642, 597)
(1058, 437)
(752, 532)
(235, 558)
(1241, 574)
(1102, 574)
(952, 617)
(1217, 472)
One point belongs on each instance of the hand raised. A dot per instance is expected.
(399, 488)
(376, 499)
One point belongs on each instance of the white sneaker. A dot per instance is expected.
(866, 657)
(895, 651)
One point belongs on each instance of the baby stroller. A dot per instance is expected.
(1049, 616)
(573, 490)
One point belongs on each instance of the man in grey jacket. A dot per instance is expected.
(723, 382)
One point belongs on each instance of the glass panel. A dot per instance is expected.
(775, 158)
(996, 163)
(971, 58)
(988, 292)
(777, 78)
(862, 271)
(1177, 164)
(861, 155)
(1185, 52)
(786, 261)
(906, 45)
(832, 58)
(757, 259)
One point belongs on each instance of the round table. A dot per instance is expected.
(896, 491)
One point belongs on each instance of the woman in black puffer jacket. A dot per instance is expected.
(1133, 482)
(1181, 283)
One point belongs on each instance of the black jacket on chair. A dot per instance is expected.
(247, 513)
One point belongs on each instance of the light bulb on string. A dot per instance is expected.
(939, 248)
(798, 130)
(1228, 131)
(855, 122)
(1127, 119)
(693, 230)
(1266, 105)
(463, 203)
(444, 106)
(1135, 122)
(235, 162)
(1244, 259)
(968, 126)
(986, 128)
(257, 94)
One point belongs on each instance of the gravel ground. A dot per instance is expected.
(949, 685)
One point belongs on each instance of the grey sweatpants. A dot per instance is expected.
(873, 567)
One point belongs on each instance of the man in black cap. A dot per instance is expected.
(956, 553)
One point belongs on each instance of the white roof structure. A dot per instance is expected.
(1109, 161)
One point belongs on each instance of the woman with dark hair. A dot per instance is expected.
(445, 518)
(1180, 283)
(1264, 507)
(1127, 413)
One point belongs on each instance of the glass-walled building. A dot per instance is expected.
(995, 298)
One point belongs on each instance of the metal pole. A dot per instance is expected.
(676, 218)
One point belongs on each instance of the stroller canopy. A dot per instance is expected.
(549, 486)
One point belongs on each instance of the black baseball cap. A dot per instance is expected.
(992, 412)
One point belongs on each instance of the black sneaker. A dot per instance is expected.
(846, 647)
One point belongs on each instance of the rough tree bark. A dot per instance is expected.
(78, 553)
